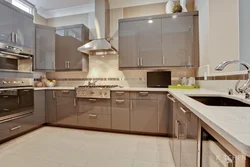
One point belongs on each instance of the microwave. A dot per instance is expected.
(159, 79)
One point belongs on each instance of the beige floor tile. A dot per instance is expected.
(151, 164)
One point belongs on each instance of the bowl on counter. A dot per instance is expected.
(50, 84)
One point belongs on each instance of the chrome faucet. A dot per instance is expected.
(238, 89)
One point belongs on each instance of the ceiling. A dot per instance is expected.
(59, 4)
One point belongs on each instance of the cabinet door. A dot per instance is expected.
(129, 44)
(177, 41)
(6, 23)
(51, 106)
(62, 52)
(120, 114)
(164, 115)
(176, 139)
(144, 116)
(39, 108)
(24, 29)
(150, 43)
(66, 108)
(45, 48)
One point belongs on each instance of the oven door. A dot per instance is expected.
(26, 100)
(9, 106)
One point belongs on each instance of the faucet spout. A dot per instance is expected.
(243, 88)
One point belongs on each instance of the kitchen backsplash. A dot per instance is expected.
(105, 69)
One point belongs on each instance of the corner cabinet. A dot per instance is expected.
(159, 41)
(16, 27)
(45, 48)
(68, 39)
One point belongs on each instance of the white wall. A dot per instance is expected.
(219, 33)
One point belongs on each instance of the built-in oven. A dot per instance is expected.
(16, 102)
(213, 154)
(15, 59)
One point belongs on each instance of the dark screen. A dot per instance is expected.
(159, 79)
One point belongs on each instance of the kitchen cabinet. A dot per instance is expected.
(39, 108)
(17, 126)
(144, 112)
(68, 39)
(6, 24)
(159, 41)
(24, 29)
(185, 140)
(178, 41)
(66, 108)
(51, 107)
(45, 48)
(94, 113)
(120, 111)
(164, 114)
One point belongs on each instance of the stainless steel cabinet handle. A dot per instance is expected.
(53, 65)
(92, 115)
(65, 91)
(120, 101)
(163, 60)
(65, 64)
(15, 128)
(131, 105)
(141, 61)
(26, 90)
(6, 109)
(54, 94)
(171, 98)
(16, 37)
(68, 64)
(143, 93)
(184, 110)
(75, 102)
(93, 100)
(119, 93)
(6, 97)
(138, 62)
(12, 37)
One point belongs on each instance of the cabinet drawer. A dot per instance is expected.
(120, 114)
(120, 95)
(95, 106)
(66, 93)
(16, 126)
(94, 120)
(143, 95)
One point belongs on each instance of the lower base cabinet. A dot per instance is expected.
(144, 116)
(94, 113)
(17, 126)
(39, 108)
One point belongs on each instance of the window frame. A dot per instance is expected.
(22, 4)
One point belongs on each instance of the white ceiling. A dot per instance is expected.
(59, 8)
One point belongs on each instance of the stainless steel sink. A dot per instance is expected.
(219, 101)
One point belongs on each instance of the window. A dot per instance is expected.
(24, 5)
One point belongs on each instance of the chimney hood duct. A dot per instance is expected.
(100, 45)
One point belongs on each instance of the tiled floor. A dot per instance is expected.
(58, 147)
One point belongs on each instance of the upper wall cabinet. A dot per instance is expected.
(159, 41)
(68, 39)
(16, 26)
(45, 48)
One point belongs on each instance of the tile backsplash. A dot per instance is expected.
(105, 69)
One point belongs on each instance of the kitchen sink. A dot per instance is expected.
(219, 101)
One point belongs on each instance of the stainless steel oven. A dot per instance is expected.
(16, 98)
(15, 59)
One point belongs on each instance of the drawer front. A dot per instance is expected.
(144, 95)
(66, 93)
(16, 126)
(94, 106)
(120, 95)
(94, 120)
(120, 115)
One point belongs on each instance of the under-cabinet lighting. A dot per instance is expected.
(174, 16)
(150, 21)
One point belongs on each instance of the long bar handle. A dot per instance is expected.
(75, 102)
(120, 101)
(92, 115)
(15, 128)
(143, 93)
(171, 98)
(54, 94)
(93, 100)
(184, 110)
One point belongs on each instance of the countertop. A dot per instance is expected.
(232, 123)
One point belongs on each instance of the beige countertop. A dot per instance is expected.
(55, 88)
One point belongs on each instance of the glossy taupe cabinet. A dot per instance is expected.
(45, 48)
(68, 39)
(159, 41)
(51, 106)
(66, 107)
(94, 113)
(39, 108)
(16, 26)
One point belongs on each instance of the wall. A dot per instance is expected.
(219, 34)
(39, 19)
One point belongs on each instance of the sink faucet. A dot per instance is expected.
(238, 89)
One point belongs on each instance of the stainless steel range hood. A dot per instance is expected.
(100, 45)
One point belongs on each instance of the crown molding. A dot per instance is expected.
(66, 11)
